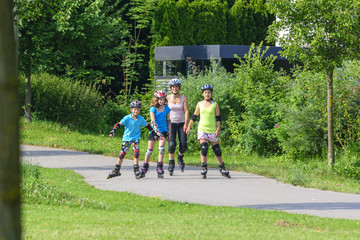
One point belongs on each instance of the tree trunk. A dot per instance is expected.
(330, 101)
(28, 91)
(10, 224)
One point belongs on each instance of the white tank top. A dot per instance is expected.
(177, 114)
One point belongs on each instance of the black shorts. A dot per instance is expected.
(151, 137)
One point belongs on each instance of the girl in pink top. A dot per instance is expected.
(179, 117)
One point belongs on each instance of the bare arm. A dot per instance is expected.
(186, 110)
(196, 112)
(218, 123)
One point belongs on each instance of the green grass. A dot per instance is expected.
(313, 174)
(58, 204)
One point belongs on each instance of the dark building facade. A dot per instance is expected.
(172, 61)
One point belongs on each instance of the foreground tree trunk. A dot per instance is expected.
(330, 101)
(10, 227)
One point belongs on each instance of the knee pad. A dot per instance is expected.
(136, 153)
(172, 146)
(122, 154)
(204, 148)
(217, 150)
(149, 152)
(161, 149)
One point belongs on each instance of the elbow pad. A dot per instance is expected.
(193, 117)
(218, 118)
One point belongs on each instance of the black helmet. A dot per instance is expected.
(207, 87)
(135, 104)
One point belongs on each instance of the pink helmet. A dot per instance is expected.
(160, 94)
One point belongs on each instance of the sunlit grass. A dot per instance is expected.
(117, 215)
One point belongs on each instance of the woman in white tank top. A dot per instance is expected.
(179, 117)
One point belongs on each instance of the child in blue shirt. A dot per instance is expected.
(160, 121)
(132, 122)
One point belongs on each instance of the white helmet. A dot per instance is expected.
(174, 82)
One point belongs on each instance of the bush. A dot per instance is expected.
(259, 89)
(71, 103)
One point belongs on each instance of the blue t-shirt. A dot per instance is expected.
(160, 118)
(132, 127)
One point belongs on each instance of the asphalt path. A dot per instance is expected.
(242, 190)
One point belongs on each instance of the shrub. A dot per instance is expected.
(67, 102)
(259, 89)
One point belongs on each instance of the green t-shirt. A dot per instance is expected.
(207, 118)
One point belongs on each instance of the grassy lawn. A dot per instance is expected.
(58, 204)
(313, 174)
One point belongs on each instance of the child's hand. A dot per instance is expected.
(217, 133)
(187, 131)
(112, 133)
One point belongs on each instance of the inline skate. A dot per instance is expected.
(160, 170)
(224, 172)
(114, 173)
(171, 166)
(203, 169)
(143, 171)
(181, 162)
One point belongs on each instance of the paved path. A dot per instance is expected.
(242, 190)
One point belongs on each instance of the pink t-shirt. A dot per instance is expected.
(177, 114)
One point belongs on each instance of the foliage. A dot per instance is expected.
(78, 38)
(248, 22)
(346, 109)
(260, 89)
(302, 131)
(321, 34)
(68, 102)
(210, 21)
(140, 15)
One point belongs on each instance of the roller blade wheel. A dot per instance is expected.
(227, 175)
(171, 173)
(112, 175)
(181, 165)
(203, 176)
(160, 176)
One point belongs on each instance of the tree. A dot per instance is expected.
(210, 21)
(10, 225)
(321, 34)
(76, 38)
(140, 15)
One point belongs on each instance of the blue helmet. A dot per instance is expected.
(207, 87)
